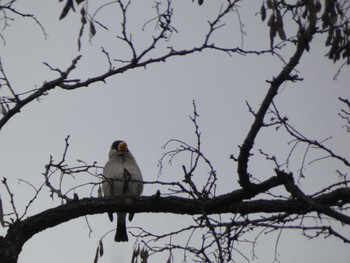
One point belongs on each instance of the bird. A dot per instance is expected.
(122, 178)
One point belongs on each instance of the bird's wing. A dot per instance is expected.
(112, 171)
(135, 188)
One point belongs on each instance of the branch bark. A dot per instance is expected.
(284, 75)
(21, 231)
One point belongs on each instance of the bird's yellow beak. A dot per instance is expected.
(122, 147)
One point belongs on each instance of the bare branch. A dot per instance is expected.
(4, 181)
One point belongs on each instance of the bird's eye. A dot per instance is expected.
(116, 144)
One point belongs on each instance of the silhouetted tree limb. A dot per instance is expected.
(21, 231)
(137, 60)
(223, 219)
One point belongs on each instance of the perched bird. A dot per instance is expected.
(122, 178)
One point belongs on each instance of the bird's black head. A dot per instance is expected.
(120, 146)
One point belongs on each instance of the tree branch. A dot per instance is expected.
(38, 93)
(284, 75)
(21, 231)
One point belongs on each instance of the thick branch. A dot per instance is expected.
(258, 123)
(21, 231)
(314, 204)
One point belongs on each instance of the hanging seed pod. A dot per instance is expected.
(271, 20)
(92, 29)
(338, 36)
(340, 51)
(281, 33)
(346, 53)
(339, 9)
(69, 5)
(263, 12)
(332, 51)
(325, 20)
(330, 36)
(3, 110)
(101, 248)
(305, 13)
(273, 31)
(83, 18)
(144, 255)
(269, 4)
(280, 29)
(135, 254)
(336, 56)
(318, 6)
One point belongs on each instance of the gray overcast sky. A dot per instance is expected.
(146, 107)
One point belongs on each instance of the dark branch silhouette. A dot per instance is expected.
(223, 219)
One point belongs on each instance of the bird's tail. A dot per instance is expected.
(121, 234)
